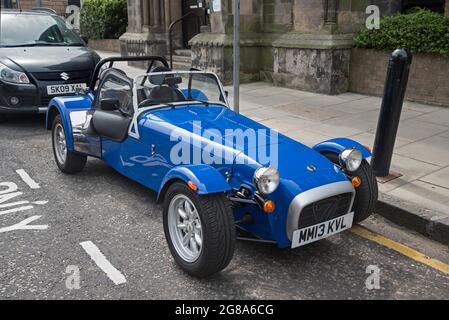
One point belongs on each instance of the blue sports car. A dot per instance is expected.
(219, 175)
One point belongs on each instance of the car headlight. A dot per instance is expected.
(10, 75)
(351, 159)
(266, 179)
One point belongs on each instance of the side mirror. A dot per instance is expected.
(109, 104)
(227, 94)
(85, 39)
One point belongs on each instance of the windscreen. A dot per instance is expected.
(170, 87)
(35, 30)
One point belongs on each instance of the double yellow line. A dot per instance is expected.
(402, 249)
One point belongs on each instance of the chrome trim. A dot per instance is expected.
(42, 109)
(84, 140)
(308, 197)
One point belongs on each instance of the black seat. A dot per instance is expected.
(163, 94)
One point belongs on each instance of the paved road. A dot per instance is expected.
(123, 220)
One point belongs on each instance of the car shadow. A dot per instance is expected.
(18, 123)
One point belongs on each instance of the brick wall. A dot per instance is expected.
(428, 76)
(58, 5)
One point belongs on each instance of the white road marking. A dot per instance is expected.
(27, 179)
(40, 203)
(10, 187)
(24, 225)
(16, 210)
(12, 204)
(92, 250)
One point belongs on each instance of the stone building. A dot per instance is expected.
(303, 44)
(58, 5)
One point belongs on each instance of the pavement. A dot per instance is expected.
(47, 220)
(419, 198)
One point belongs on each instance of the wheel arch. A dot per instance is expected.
(206, 178)
(339, 144)
(52, 112)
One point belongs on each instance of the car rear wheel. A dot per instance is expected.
(366, 193)
(68, 162)
(200, 230)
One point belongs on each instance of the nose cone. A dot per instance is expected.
(302, 168)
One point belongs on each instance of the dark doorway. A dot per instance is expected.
(434, 5)
(191, 25)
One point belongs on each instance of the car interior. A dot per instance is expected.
(114, 103)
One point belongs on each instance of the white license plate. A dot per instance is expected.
(61, 89)
(322, 230)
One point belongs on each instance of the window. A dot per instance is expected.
(22, 29)
(116, 87)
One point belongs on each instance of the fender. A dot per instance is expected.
(64, 106)
(206, 178)
(340, 144)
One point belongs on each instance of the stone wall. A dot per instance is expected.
(111, 45)
(428, 76)
(322, 71)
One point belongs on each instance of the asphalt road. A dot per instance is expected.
(123, 220)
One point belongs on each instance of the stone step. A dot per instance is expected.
(182, 65)
(183, 52)
(178, 58)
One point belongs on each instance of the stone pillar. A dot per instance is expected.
(146, 14)
(146, 34)
(308, 16)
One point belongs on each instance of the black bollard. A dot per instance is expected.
(390, 112)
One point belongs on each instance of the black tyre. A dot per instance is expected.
(366, 194)
(200, 230)
(68, 162)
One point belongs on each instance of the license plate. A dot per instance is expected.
(60, 89)
(322, 230)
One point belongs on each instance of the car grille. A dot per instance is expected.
(45, 101)
(27, 101)
(325, 210)
(56, 76)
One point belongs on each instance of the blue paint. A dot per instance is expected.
(340, 144)
(150, 162)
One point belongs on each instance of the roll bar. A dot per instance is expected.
(111, 61)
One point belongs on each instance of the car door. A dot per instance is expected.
(113, 113)
(113, 106)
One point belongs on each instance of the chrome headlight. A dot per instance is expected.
(266, 179)
(351, 159)
(10, 75)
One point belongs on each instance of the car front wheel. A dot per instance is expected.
(366, 193)
(199, 230)
(68, 162)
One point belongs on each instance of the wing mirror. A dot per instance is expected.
(85, 39)
(109, 104)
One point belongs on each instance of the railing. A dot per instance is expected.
(170, 36)
(135, 48)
